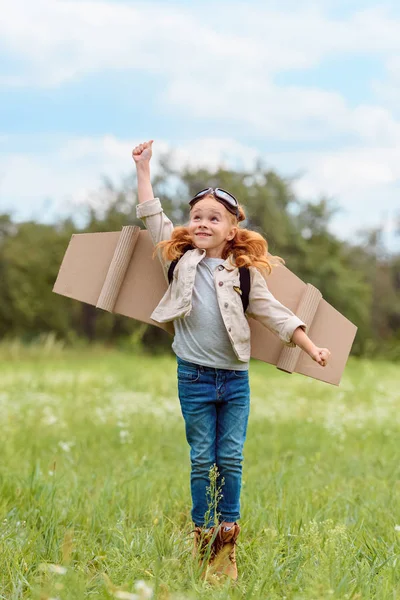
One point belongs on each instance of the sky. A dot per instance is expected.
(311, 88)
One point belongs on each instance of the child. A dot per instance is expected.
(212, 342)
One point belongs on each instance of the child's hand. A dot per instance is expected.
(320, 355)
(142, 152)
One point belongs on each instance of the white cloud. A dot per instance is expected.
(354, 169)
(290, 113)
(100, 150)
(362, 181)
(388, 90)
(220, 65)
(212, 152)
(60, 40)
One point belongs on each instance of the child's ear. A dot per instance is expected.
(232, 233)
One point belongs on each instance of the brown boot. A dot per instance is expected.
(224, 558)
(204, 549)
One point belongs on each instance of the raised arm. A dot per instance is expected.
(149, 209)
(141, 155)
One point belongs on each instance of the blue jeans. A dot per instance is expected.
(215, 405)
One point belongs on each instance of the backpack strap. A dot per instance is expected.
(175, 262)
(171, 269)
(244, 274)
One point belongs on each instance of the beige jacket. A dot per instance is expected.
(176, 302)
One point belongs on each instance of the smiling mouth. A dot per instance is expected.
(203, 234)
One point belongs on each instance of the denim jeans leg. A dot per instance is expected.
(232, 419)
(200, 415)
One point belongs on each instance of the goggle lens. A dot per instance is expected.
(219, 194)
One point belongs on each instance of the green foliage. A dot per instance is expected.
(30, 259)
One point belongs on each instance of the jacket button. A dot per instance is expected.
(221, 283)
(229, 329)
(226, 305)
(220, 268)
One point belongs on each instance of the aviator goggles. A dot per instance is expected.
(227, 199)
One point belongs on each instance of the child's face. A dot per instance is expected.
(210, 218)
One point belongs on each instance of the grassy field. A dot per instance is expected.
(94, 482)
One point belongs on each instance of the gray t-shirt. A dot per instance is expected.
(201, 337)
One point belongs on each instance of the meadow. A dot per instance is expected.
(94, 481)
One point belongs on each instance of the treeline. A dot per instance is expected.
(360, 280)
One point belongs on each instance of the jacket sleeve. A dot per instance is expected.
(266, 309)
(157, 224)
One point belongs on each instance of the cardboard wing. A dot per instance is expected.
(115, 271)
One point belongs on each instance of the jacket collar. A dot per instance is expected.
(227, 264)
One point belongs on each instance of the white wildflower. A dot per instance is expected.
(123, 434)
(66, 446)
(397, 527)
(126, 595)
(57, 569)
(50, 419)
(60, 570)
(101, 414)
(144, 590)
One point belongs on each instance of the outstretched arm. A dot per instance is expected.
(277, 317)
(301, 339)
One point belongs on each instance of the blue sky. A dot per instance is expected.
(310, 87)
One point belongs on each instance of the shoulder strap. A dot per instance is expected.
(244, 274)
(175, 262)
(171, 269)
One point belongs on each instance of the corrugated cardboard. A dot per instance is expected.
(115, 271)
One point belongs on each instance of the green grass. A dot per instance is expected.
(94, 478)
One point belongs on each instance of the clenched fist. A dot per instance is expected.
(142, 152)
(320, 355)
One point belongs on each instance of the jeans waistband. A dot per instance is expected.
(181, 361)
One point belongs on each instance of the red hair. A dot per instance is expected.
(248, 248)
